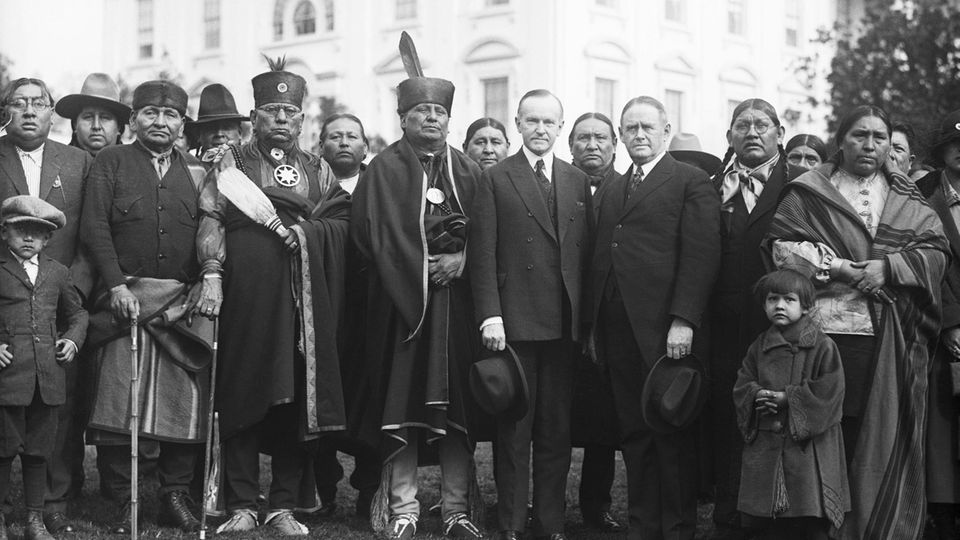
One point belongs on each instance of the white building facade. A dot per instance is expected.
(699, 57)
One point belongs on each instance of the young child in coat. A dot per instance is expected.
(37, 298)
(789, 400)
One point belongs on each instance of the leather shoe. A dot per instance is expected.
(175, 512)
(604, 522)
(326, 511)
(508, 535)
(57, 523)
(122, 524)
(35, 529)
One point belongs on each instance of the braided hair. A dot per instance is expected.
(766, 108)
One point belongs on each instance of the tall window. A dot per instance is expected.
(328, 15)
(673, 11)
(145, 28)
(735, 15)
(406, 9)
(495, 98)
(792, 22)
(305, 18)
(211, 24)
(673, 103)
(278, 20)
(606, 90)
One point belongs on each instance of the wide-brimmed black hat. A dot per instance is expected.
(216, 104)
(685, 147)
(949, 131)
(500, 386)
(673, 393)
(98, 90)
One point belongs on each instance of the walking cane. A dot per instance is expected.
(134, 425)
(211, 426)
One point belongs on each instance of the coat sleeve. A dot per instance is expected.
(95, 227)
(482, 251)
(699, 260)
(70, 312)
(745, 391)
(211, 235)
(816, 403)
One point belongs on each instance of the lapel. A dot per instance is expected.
(770, 196)
(50, 169)
(659, 176)
(939, 204)
(566, 193)
(10, 264)
(524, 182)
(11, 166)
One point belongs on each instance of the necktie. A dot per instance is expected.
(541, 177)
(547, 189)
(635, 182)
(163, 163)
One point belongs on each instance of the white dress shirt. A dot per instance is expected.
(547, 158)
(350, 184)
(32, 163)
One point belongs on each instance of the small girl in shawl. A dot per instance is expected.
(789, 398)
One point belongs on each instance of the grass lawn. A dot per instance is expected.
(92, 514)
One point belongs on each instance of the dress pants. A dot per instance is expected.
(548, 366)
(455, 453)
(175, 468)
(596, 480)
(328, 471)
(65, 467)
(276, 434)
(661, 467)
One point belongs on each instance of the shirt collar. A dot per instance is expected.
(35, 260)
(155, 155)
(36, 153)
(648, 166)
(532, 159)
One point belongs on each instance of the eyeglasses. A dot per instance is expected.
(40, 104)
(288, 110)
(742, 128)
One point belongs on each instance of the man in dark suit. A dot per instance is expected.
(656, 257)
(31, 164)
(528, 246)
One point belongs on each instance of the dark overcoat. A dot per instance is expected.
(515, 266)
(28, 324)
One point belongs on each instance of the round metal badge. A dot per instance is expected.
(435, 196)
(286, 176)
(282, 87)
(276, 153)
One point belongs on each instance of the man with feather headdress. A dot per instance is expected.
(278, 384)
(409, 222)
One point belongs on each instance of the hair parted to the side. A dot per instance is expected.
(786, 281)
(595, 116)
(481, 123)
(756, 104)
(539, 92)
(646, 100)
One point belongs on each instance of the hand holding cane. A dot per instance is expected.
(211, 427)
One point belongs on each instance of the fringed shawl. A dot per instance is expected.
(887, 472)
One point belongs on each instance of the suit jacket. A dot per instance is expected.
(28, 324)
(662, 246)
(63, 176)
(930, 187)
(520, 265)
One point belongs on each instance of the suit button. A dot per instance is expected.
(160, 207)
(36, 339)
(161, 256)
(529, 239)
(618, 227)
(162, 231)
(529, 214)
(529, 267)
(613, 245)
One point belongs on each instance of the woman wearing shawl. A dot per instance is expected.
(877, 254)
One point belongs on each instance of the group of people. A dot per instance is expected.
(777, 326)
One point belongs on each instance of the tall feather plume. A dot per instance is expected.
(408, 54)
(277, 64)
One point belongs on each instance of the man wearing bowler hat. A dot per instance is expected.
(31, 164)
(279, 389)
(218, 121)
(409, 222)
(655, 259)
(140, 224)
(96, 114)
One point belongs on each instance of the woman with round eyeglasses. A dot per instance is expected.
(486, 142)
(940, 187)
(751, 176)
(877, 254)
(806, 151)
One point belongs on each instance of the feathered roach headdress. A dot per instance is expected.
(278, 85)
(417, 88)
